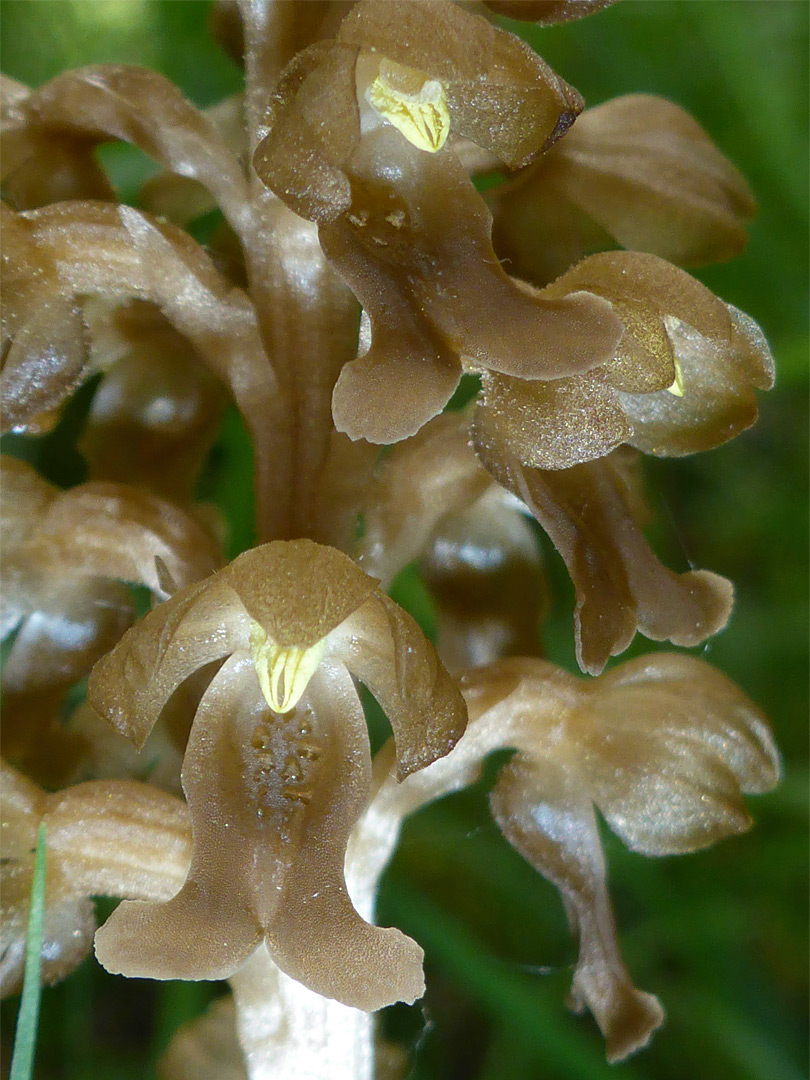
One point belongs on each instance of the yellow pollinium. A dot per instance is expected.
(677, 387)
(284, 671)
(417, 107)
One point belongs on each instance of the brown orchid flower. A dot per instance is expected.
(277, 767)
(361, 140)
(664, 746)
(637, 171)
(103, 838)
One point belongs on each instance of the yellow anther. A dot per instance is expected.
(284, 670)
(416, 107)
(677, 387)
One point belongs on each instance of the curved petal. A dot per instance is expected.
(718, 402)
(545, 814)
(287, 789)
(114, 531)
(669, 745)
(384, 648)
(589, 514)
(297, 590)
(314, 128)
(417, 217)
(547, 12)
(115, 101)
(132, 684)
(648, 174)
(407, 374)
(119, 838)
(484, 572)
(549, 425)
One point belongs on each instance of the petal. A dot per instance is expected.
(547, 12)
(384, 648)
(114, 101)
(669, 745)
(133, 683)
(113, 531)
(501, 94)
(314, 129)
(549, 425)
(417, 217)
(407, 374)
(648, 174)
(546, 815)
(718, 400)
(589, 515)
(296, 590)
(418, 484)
(119, 838)
(47, 360)
(69, 919)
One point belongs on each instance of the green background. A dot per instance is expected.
(720, 936)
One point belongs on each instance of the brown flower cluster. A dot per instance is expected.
(355, 276)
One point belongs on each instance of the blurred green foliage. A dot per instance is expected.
(720, 936)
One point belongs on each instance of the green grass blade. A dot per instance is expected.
(25, 1037)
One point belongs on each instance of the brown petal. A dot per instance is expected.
(547, 12)
(119, 838)
(428, 230)
(407, 373)
(113, 531)
(139, 106)
(132, 684)
(501, 94)
(298, 591)
(384, 648)
(154, 417)
(47, 360)
(549, 425)
(669, 745)
(419, 483)
(588, 514)
(275, 788)
(68, 922)
(314, 129)
(718, 401)
(648, 174)
(545, 814)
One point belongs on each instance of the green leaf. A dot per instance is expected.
(25, 1037)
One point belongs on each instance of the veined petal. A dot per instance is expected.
(668, 746)
(132, 684)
